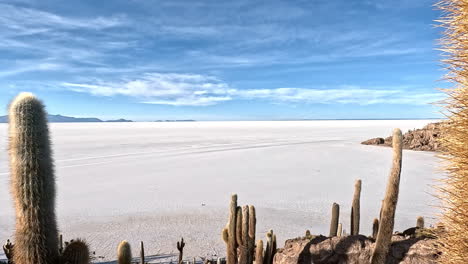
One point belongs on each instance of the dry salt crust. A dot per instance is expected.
(156, 182)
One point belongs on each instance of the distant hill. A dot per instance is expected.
(69, 119)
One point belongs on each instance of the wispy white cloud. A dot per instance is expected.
(200, 90)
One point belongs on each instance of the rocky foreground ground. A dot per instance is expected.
(356, 250)
(424, 139)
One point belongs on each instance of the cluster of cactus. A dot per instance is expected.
(382, 229)
(239, 236)
(36, 235)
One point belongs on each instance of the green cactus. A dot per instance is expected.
(76, 252)
(259, 252)
(387, 221)
(124, 253)
(375, 228)
(32, 182)
(420, 222)
(334, 219)
(229, 232)
(180, 248)
(355, 209)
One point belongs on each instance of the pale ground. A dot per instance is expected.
(148, 181)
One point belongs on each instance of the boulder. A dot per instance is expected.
(354, 250)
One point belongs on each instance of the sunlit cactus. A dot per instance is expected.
(387, 221)
(229, 233)
(334, 220)
(420, 222)
(32, 182)
(356, 209)
(124, 253)
(375, 228)
(259, 252)
(454, 190)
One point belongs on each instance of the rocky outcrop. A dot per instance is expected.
(354, 249)
(425, 139)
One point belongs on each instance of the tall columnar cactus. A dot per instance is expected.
(420, 222)
(375, 228)
(76, 252)
(229, 232)
(243, 235)
(334, 219)
(180, 248)
(384, 236)
(124, 253)
(259, 252)
(252, 230)
(142, 253)
(356, 209)
(454, 190)
(32, 182)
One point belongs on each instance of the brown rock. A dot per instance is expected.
(354, 250)
(425, 139)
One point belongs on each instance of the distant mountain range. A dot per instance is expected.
(69, 119)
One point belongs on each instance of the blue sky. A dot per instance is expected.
(223, 60)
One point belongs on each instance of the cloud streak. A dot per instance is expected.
(199, 90)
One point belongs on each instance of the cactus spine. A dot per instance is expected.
(180, 248)
(420, 222)
(454, 188)
(375, 228)
(32, 182)
(259, 252)
(76, 252)
(124, 253)
(229, 232)
(355, 209)
(334, 219)
(384, 236)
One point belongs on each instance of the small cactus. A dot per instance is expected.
(229, 233)
(76, 252)
(340, 230)
(420, 222)
(270, 249)
(259, 252)
(32, 182)
(334, 219)
(142, 253)
(308, 235)
(355, 209)
(180, 248)
(387, 221)
(8, 250)
(375, 228)
(60, 244)
(124, 253)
